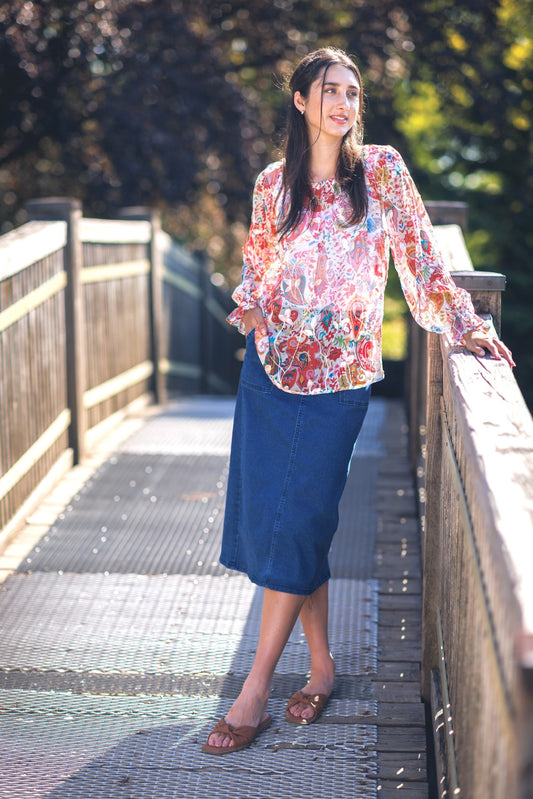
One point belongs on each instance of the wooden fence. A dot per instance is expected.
(94, 315)
(76, 299)
(472, 449)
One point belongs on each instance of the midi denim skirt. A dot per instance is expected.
(290, 456)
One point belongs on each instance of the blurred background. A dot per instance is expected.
(178, 104)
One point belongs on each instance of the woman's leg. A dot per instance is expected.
(314, 618)
(278, 617)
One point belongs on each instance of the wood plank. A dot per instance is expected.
(401, 527)
(388, 532)
(400, 618)
(402, 737)
(32, 300)
(396, 691)
(398, 651)
(400, 547)
(406, 585)
(399, 739)
(397, 670)
(392, 564)
(408, 766)
(394, 714)
(28, 244)
(33, 454)
(111, 231)
(389, 600)
(399, 632)
(394, 789)
(116, 384)
(103, 272)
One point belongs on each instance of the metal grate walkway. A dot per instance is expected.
(122, 639)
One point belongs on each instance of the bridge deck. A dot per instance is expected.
(123, 639)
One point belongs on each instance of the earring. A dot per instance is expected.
(301, 112)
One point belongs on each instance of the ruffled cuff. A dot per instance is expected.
(235, 317)
(460, 328)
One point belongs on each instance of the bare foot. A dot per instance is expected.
(248, 710)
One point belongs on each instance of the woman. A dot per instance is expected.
(311, 306)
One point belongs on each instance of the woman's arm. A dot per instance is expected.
(436, 303)
(258, 255)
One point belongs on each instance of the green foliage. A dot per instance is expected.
(476, 63)
(178, 104)
(394, 343)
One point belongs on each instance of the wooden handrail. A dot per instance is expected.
(472, 448)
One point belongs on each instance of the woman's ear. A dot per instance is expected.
(299, 102)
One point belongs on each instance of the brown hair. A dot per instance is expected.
(296, 171)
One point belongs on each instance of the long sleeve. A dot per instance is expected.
(434, 300)
(259, 251)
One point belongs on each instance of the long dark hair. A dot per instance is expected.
(296, 171)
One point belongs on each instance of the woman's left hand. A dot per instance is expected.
(477, 342)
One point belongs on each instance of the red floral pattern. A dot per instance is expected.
(322, 288)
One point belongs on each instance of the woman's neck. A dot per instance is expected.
(324, 160)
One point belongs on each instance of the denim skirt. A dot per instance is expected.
(290, 456)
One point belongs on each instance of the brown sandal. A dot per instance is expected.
(316, 701)
(241, 737)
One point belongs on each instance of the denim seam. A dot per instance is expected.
(238, 500)
(290, 469)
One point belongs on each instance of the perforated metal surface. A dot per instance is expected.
(88, 753)
(113, 526)
(147, 514)
(165, 624)
(114, 684)
(163, 760)
(115, 664)
(198, 426)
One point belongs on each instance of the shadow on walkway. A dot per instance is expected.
(123, 639)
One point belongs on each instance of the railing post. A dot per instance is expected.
(432, 520)
(485, 288)
(442, 212)
(70, 210)
(416, 391)
(155, 299)
(206, 324)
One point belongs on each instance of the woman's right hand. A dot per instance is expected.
(253, 318)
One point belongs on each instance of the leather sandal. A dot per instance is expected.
(315, 701)
(241, 737)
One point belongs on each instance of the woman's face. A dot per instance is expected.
(332, 107)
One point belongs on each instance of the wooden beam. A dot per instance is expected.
(70, 211)
(32, 300)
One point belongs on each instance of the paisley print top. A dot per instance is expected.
(321, 288)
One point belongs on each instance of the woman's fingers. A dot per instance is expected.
(253, 318)
(505, 352)
(478, 342)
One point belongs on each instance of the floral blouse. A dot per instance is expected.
(321, 288)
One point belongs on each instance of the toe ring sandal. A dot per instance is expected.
(315, 701)
(241, 737)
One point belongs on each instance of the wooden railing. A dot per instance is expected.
(94, 315)
(472, 449)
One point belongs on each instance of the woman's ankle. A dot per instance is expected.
(323, 673)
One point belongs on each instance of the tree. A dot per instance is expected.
(178, 104)
(464, 108)
(174, 103)
(115, 103)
